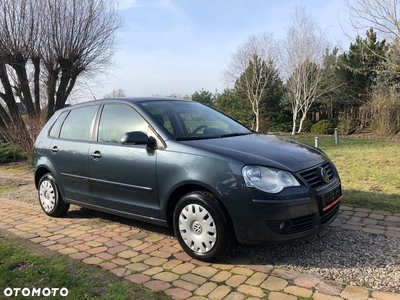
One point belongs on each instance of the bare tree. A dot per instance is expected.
(382, 15)
(120, 93)
(45, 45)
(301, 64)
(251, 65)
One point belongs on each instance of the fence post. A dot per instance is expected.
(336, 136)
(316, 142)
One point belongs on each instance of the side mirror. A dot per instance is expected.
(137, 138)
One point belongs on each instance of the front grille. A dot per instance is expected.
(313, 176)
(300, 224)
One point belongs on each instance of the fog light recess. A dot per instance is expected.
(285, 226)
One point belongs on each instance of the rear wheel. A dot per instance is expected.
(202, 227)
(50, 198)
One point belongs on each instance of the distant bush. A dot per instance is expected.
(10, 153)
(323, 127)
(347, 127)
(307, 124)
(281, 127)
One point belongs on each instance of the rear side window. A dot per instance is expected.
(116, 120)
(77, 124)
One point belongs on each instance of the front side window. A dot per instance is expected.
(78, 122)
(116, 120)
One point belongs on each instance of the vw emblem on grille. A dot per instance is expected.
(324, 174)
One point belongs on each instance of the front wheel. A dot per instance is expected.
(202, 227)
(50, 198)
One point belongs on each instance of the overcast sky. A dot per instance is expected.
(180, 46)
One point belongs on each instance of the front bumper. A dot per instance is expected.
(295, 213)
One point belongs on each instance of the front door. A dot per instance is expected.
(123, 177)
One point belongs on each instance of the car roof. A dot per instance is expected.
(124, 100)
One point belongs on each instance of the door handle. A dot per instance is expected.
(54, 149)
(96, 155)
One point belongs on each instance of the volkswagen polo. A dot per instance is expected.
(181, 164)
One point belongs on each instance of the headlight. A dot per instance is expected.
(268, 180)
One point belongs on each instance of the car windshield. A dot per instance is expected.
(189, 120)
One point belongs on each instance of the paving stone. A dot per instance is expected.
(56, 247)
(41, 240)
(155, 261)
(112, 243)
(280, 296)
(182, 256)
(160, 254)
(121, 229)
(183, 268)
(82, 247)
(185, 285)
(153, 271)
(329, 287)
(140, 257)
(307, 280)
(169, 249)
(128, 254)
(121, 272)
(151, 248)
(376, 216)
(320, 296)
(92, 260)
(351, 227)
(166, 276)
(137, 267)
(225, 267)
(152, 238)
(372, 230)
(96, 250)
(235, 296)
(235, 280)
(117, 249)
(354, 293)
(132, 243)
(286, 274)
(194, 278)
(392, 219)
(205, 271)
(274, 283)
(105, 256)
(385, 295)
(256, 279)
(395, 234)
(251, 290)
(367, 210)
(157, 285)
(361, 214)
(94, 244)
(121, 261)
(79, 255)
(108, 265)
(138, 278)
(68, 250)
(178, 293)
(219, 292)
(169, 265)
(221, 276)
(242, 271)
(298, 291)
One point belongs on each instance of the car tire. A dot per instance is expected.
(201, 226)
(50, 198)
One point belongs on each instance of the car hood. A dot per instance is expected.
(262, 149)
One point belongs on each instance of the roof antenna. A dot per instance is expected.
(90, 91)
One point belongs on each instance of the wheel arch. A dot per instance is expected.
(184, 189)
(39, 174)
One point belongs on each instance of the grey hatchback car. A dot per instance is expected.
(181, 164)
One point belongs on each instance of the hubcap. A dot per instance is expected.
(47, 195)
(197, 228)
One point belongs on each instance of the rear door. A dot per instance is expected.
(70, 151)
(123, 177)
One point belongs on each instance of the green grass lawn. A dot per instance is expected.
(24, 264)
(369, 170)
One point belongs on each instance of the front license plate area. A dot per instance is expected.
(330, 198)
